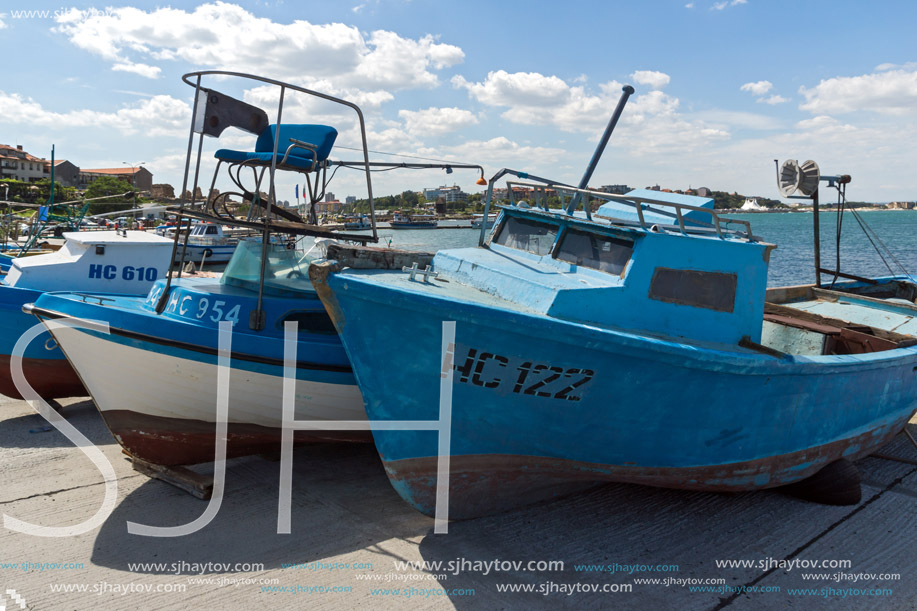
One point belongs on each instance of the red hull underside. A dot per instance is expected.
(50, 378)
(176, 441)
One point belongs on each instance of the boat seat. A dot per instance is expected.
(299, 147)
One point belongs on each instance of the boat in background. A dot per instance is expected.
(127, 262)
(478, 220)
(413, 221)
(635, 344)
(207, 243)
(357, 223)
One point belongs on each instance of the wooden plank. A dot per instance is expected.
(900, 339)
(198, 485)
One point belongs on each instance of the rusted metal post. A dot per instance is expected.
(817, 239)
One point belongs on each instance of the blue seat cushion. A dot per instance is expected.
(322, 136)
(297, 161)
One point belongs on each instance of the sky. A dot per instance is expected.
(722, 87)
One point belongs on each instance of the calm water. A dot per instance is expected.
(791, 263)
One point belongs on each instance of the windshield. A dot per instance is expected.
(524, 234)
(286, 271)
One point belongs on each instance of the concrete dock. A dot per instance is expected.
(350, 529)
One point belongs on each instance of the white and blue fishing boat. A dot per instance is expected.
(634, 344)
(153, 376)
(208, 244)
(414, 221)
(357, 223)
(126, 262)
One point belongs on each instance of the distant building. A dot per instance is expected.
(328, 207)
(329, 197)
(350, 199)
(703, 192)
(16, 164)
(138, 177)
(65, 173)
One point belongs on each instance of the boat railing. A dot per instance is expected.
(675, 210)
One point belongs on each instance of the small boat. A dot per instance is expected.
(635, 344)
(153, 377)
(207, 243)
(413, 221)
(478, 220)
(354, 223)
(127, 262)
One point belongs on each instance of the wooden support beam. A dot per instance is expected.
(196, 484)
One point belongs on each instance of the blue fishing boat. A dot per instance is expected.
(153, 375)
(127, 262)
(637, 343)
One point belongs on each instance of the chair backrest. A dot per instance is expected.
(322, 136)
(216, 111)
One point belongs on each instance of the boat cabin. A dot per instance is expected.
(126, 262)
(705, 288)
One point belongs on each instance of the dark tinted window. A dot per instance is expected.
(711, 290)
(524, 234)
(596, 251)
(311, 322)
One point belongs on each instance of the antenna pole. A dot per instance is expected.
(584, 182)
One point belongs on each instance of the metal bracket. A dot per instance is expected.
(427, 272)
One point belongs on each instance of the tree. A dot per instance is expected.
(103, 186)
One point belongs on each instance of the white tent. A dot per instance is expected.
(751, 204)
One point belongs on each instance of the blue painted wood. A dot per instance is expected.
(645, 391)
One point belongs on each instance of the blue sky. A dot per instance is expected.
(723, 87)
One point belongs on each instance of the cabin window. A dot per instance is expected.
(600, 252)
(524, 234)
(212, 229)
(310, 321)
(711, 290)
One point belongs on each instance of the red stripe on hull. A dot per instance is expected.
(177, 441)
(51, 378)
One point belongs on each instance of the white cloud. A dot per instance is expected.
(159, 115)
(891, 92)
(689, 5)
(774, 99)
(436, 121)
(358, 8)
(3, 24)
(141, 69)
(651, 78)
(226, 36)
(652, 120)
(758, 87)
(718, 6)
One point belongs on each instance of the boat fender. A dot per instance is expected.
(208, 252)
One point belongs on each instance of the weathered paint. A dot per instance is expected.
(659, 408)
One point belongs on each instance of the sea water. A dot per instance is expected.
(792, 262)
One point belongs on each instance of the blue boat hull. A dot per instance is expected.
(154, 377)
(542, 406)
(43, 362)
